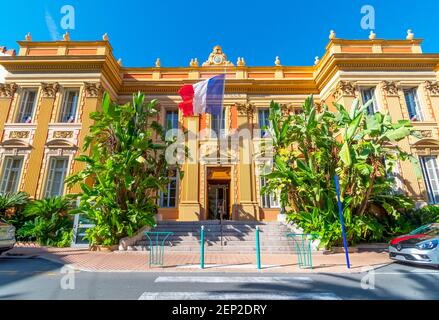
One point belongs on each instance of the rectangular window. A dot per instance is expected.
(264, 122)
(168, 198)
(395, 174)
(218, 123)
(268, 200)
(11, 174)
(413, 105)
(69, 106)
(369, 94)
(171, 120)
(27, 106)
(430, 172)
(55, 176)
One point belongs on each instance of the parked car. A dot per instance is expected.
(419, 246)
(7, 236)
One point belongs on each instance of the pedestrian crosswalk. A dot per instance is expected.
(233, 288)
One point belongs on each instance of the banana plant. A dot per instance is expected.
(313, 146)
(125, 167)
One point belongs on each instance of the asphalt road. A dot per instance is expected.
(41, 279)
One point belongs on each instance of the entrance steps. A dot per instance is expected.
(228, 236)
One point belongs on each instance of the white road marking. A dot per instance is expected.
(215, 279)
(238, 296)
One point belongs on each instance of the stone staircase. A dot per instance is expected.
(228, 236)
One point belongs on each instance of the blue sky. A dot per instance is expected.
(176, 31)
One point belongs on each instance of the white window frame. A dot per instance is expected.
(24, 101)
(165, 197)
(430, 171)
(418, 106)
(268, 201)
(49, 178)
(266, 115)
(222, 126)
(174, 117)
(375, 105)
(62, 110)
(398, 186)
(4, 181)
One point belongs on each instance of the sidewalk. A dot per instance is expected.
(129, 261)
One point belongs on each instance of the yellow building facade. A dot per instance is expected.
(50, 88)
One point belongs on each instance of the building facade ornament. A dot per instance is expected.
(410, 35)
(50, 89)
(277, 61)
(7, 90)
(157, 63)
(93, 89)
(240, 62)
(28, 37)
(390, 88)
(63, 134)
(194, 63)
(245, 109)
(432, 87)
(344, 88)
(19, 134)
(217, 58)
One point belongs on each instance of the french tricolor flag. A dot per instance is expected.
(203, 97)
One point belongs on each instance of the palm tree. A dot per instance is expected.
(10, 202)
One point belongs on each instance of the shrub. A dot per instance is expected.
(51, 224)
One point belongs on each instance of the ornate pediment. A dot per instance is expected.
(7, 90)
(217, 58)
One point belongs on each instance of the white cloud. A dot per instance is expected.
(51, 26)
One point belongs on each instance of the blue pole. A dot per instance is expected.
(340, 211)
(202, 248)
(258, 249)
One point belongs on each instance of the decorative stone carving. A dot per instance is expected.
(277, 61)
(410, 35)
(390, 88)
(332, 34)
(7, 90)
(240, 62)
(119, 62)
(217, 58)
(425, 133)
(246, 109)
(63, 134)
(105, 37)
(157, 63)
(19, 134)
(194, 62)
(432, 87)
(344, 88)
(316, 60)
(28, 37)
(372, 35)
(66, 36)
(93, 90)
(50, 89)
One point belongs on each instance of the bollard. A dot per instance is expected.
(202, 248)
(258, 249)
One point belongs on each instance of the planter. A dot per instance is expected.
(104, 248)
